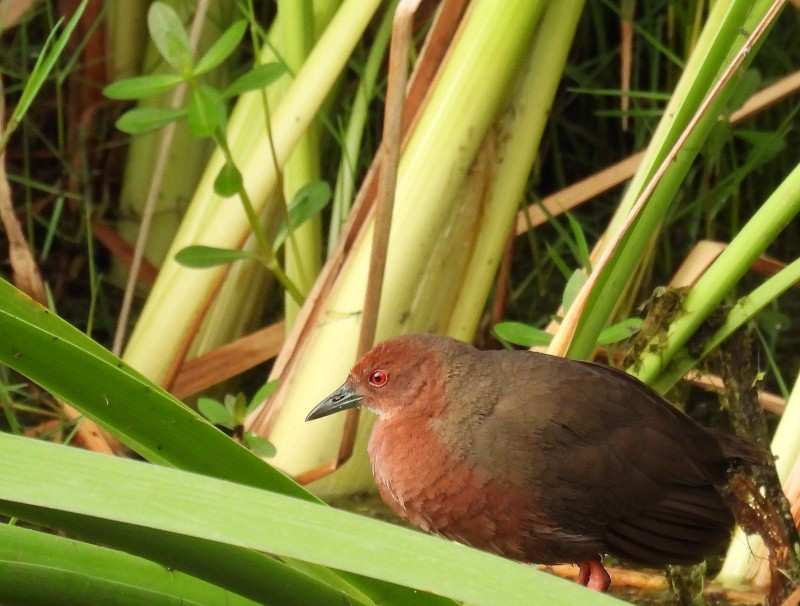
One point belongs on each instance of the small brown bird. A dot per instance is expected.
(539, 458)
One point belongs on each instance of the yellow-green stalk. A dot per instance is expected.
(357, 120)
(723, 38)
(469, 93)
(240, 302)
(180, 295)
(187, 158)
(519, 133)
(303, 248)
(127, 37)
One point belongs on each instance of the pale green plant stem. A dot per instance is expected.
(127, 36)
(721, 42)
(167, 322)
(742, 312)
(359, 113)
(154, 187)
(488, 52)
(709, 291)
(263, 244)
(302, 250)
(519, 133)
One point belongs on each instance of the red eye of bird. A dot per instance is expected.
(378, 378)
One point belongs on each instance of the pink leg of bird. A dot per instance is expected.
(594, 576)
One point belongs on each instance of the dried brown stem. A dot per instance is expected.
(619, 172)
(228, 361)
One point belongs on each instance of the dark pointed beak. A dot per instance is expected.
(341, 399)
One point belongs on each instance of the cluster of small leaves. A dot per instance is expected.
(231, 414)
(206, 114)
(206, 110)
(309, 200)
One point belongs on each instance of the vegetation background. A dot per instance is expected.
(285, 198)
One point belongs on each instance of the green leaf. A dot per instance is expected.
(32, 563)
(773, 322)
(262, 394)
(745, 86)
(222, 48)
(557, 259)
(42, 479)
(573, 287)
(169, 36)
(229, 181)
(134, 410)
(581, 247)
(620, 331)
(199, 256)
(257, 78)
(145, 119)
(257, 445)
(308, 201)
(216, 412)
(142, 86)
(236, 406)
(206, 111)
(524, 335)
(160, 428)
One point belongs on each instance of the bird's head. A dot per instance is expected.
(401, 375)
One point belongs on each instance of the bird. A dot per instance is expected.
(540, 458)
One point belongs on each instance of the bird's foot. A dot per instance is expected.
(594, 576)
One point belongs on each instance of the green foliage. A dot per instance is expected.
(309, 201)
(143, 120)
(517, 333)
(189, 518)
(207, 115)
(222, 48)
(524, 335)
(232, 412)
(229, 181)
(169, 36)
(257, 78)
(45, 62)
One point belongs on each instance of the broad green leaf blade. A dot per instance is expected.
(257, 78)
(33, 563)
(169, 36)
(44, 475)
(137, 412)
(242, 571)
(308, 201)
(522, 334)
(222, 48)
(145, 119)
(151, 422)
(208, 256)
(206, 111)
(141, 86)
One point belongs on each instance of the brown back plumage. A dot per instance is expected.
(541, 458)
